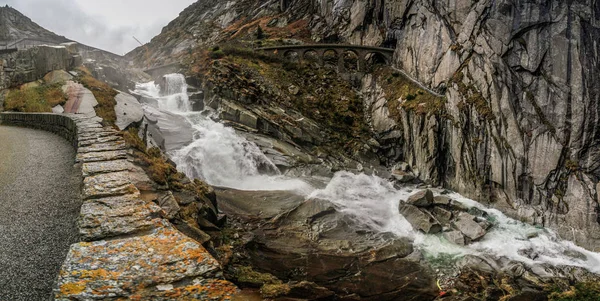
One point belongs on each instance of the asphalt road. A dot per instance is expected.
(39, 205)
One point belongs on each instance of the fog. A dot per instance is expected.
(105, 24)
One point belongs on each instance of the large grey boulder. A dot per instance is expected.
(466, 224)
(455, 237)
(423, 198)
(57, 76)
(420, 219)
(128, 110)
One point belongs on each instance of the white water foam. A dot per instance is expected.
(217, 154)
(222, 158)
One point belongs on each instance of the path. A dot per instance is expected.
(39, 204)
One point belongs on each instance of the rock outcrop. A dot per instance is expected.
(301, 240)
(15, 26)
(33, 64)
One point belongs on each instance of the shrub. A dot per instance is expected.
(216, 54)
(260, 34)
(584, 291)
(410, 97)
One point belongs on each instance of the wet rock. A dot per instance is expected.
(466, 224)
(403, 166)
(168, 203)
(442, 215)
(128, 110)
(399, 248)
(442, 200)
(423, 198)
(303, 290)
(402, 176)
(314, 242)
(420, 219)
(477, 212)
(455, 237)
(458, 206)
(475, 263)
(486, 225)
(245, 276)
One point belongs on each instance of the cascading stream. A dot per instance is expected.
(221, 157)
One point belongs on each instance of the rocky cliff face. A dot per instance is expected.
(15, 26)
(520, 123)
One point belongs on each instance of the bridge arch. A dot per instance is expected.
(346, 58)
(331, 58)
(351, 60)
(292, 56)
(312, 55)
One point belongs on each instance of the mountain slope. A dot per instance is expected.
(14, 26)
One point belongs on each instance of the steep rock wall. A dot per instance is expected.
(519, 78)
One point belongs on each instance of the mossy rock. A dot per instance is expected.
(246, 276)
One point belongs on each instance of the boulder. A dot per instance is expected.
(458, 206)
(128, 110)
(169, 204)
(403, 176)
(419, 219)
(402, 166)
(57, 76)
(455, 237)
(466, 224)
(423, 198)
(442, 200)
(442, 215)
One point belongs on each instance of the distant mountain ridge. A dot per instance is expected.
(15, 26)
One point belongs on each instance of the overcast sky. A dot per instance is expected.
(106, 24)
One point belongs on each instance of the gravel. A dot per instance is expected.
(39, 205)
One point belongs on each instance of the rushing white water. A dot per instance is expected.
(222, 158)
(217, 154)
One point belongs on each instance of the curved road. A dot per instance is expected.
(39, 204)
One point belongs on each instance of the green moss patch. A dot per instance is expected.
(403, 93)
(35, 99)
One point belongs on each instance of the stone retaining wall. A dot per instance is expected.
(61, 125)
(130, 251)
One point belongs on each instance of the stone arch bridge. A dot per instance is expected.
(363, 53)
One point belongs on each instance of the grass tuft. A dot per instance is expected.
(35, 99)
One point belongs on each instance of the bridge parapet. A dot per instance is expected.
(363, 53)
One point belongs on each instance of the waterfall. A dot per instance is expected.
(217, 154)
(221, 157)
(174, 96)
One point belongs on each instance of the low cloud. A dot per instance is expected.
(106, 24)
